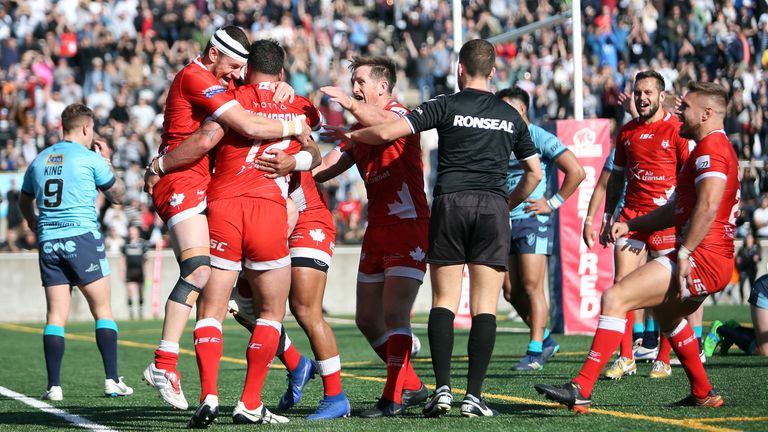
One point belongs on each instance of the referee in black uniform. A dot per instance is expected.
(478, 133)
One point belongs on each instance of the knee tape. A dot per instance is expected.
(181, 291)
(189, 265)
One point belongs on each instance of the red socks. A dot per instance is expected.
(209, 347)
(260, 353)
(166, 360)
(330, 371)
(626, 341)
(290, 357)
(684, 342)
(664, 349)
(398, 355)
(412, 381)
(608, 335)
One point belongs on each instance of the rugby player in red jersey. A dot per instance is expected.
(649, 153)
(198, 91)
(703, 212)
(392, 259)
(246, 211)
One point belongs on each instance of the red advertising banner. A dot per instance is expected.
(586, 273)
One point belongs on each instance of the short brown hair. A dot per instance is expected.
(713, 90)
(73, 116)
(382, 68)
(651, 74)
(477, 57)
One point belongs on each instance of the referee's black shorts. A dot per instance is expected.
(469, 227)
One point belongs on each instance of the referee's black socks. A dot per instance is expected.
(482, 338)
(440, 331)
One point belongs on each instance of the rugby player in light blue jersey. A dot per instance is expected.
(63, 182)
(533, 234)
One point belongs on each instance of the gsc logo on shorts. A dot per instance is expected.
(218, 245)
(69, 247)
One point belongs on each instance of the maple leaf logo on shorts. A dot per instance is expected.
(418, 254)
(177, 199)
(317, 235)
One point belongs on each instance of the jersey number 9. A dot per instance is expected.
(53, 190)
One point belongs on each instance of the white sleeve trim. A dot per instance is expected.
(716, 174)
(222, 109)
(535, 155)
(413, 129)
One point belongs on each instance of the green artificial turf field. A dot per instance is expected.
(632, 403)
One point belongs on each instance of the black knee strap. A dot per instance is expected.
(191, 264)
(181, 291)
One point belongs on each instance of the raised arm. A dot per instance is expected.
(366, 114)
(375, 135)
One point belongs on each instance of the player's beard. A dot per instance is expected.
(653, 108)
(687, 131)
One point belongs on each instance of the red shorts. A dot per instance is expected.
(180, 195)
(394, 250)
(250, 229)
(710, 272)
(314, 236)
(657, 242)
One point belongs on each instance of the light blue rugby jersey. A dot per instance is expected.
(549, 148)
(608, 166)
(63, 178)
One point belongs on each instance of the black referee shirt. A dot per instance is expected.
(477, 134)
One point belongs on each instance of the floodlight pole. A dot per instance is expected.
(457, 38)
(578, 81)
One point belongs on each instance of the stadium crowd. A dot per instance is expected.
(119, 57)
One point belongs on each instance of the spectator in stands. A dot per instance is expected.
(14, 214)
(746, 262)
(760, 218)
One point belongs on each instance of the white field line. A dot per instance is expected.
(46, 408)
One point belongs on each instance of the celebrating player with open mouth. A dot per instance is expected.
(703, 213)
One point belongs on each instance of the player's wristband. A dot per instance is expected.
(339, 149)
(683, 252)
(555, 202)
(303, 161)
(152, 167)
(160, 168)
(293, 127)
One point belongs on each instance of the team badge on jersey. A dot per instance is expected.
(213, 91)
(665, 144)
(702, 162)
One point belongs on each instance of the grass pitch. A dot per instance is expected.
(632, 403)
